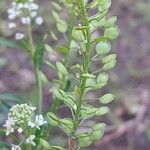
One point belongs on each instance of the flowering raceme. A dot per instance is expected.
(21, 119)
(23, 14)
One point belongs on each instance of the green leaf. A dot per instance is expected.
(43, 77)
(54, 37)
(104, 5)
(107, 98)
(103, 47)
(109, 65)
(57, 94)
(62, 26)
(90, 82)
(87, 75)
(94, 4)
(66, 98)
(97, 23)
(102, 77)
(8, 43)
(111, 22)
(50, 64)
(77, 35)
(102, 2)
(56, 5)
(99, 86)
(56, 15)
(63, 49)
(61, 68)
(84, 140)
(52, 118)
(109, 58)
(66, 125)
(88, 112)
(10, 97)
(102, 111)
(47, 146)
(99, 39)
(74, 45)
(98, 131)
(57, 148)
(48, 48)
(111, 33)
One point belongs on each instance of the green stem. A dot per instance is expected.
(40, 89)
(27, 146)
(37, 72)
(86, 61)
(31, 40)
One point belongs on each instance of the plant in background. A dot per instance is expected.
(76, 77)
(24, 15)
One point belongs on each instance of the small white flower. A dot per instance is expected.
(32, 108)
(33, 14)
(31, 124)
(20, 130)
(39, 20)
(30, 140)
(13, 13)
(12, 16)
(9, 125)
(33, 6)
(19, 36)
(15, 147)
(26, 20)
(39, 121)
(20, 6)
(12, 25)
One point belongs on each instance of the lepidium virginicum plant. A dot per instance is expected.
(76, 77)
(92, 50)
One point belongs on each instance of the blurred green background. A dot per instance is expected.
(129, 119)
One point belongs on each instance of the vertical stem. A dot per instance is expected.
(27, 146)
(71, 143)
(37, 72)
(86, 61)
(40, 91)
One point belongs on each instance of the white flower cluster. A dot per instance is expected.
(23, 13)
(21, 113)
(21, 116)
